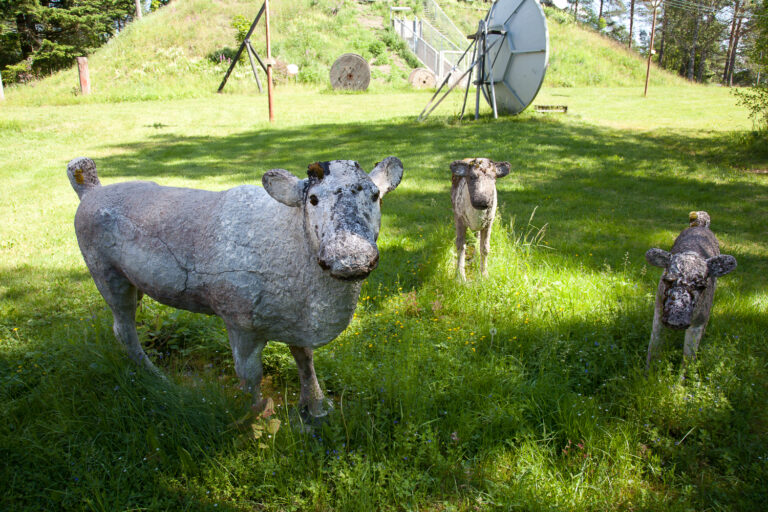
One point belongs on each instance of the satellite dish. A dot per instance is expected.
(510, 55)
(517, 53)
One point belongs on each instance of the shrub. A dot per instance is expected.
(755, 99)
(19, 73)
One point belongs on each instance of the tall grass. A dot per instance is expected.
(521, 391)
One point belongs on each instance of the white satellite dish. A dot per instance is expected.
(518, 54)
(510, 55)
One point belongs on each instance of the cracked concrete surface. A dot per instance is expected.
(279, 263)
(686, 289)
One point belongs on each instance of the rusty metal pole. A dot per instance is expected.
(269, 65)
(85, 79)
(655, 5)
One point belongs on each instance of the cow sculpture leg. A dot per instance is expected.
(485, 248)
(312, 403)
(122, 298)
(246, 351)
(653, 344)
(691, 345)
(461, 238)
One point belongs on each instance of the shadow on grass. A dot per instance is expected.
(603, 193)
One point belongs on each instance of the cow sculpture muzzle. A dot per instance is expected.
(349, 256)
(678, 308)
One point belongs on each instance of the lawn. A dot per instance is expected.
(521, 391)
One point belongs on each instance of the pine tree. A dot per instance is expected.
(46, 35)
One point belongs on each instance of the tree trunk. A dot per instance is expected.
(702, 64)
(733, 53)
(138, 9)
(600, 15)
(25, 36)
(663, 29)
(692, 55)
(730, 42)
(631, 21)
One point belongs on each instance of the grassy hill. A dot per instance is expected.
(172, 52)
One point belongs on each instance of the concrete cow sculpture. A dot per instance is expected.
(473, 195)
(687, 286)
(284, 262)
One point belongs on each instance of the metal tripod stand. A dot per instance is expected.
(246, 44)
(480, 58)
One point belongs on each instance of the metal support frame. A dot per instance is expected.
(480, 52)
(248, 47)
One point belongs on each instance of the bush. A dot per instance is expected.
(241, 24)
(19, 73)
(755, 99)
(397, 45)
(223, 56)
(376, 48)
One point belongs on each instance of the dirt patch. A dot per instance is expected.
(371, 21)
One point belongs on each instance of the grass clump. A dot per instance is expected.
(524, 390)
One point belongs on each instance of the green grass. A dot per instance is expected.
(433, 412)
(167, 54)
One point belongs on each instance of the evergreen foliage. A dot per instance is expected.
(756, 98)
(38, 37)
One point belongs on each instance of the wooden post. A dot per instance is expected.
(138, 9)
(654, 4)
(269, 65)
(85, 79)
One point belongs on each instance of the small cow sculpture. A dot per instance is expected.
(687, 286)
(473, 194)
(284, 262)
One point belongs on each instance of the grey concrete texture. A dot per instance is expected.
(686, 289)
(280, 263)
(474, 200)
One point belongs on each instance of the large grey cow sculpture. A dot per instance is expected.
(474, 200)
(687, 286)
(284, 262)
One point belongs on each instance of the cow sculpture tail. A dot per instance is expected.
(82, 175)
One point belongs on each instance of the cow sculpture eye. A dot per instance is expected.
(375, 196)
(313, 199)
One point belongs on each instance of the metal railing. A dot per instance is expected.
(437, 17)
(436, 51)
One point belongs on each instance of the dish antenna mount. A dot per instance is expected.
(510, 54)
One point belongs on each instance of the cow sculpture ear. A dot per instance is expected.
(459, 168)
(284, 186)
(721, 265)
(386, 175)
(658, 257)
(502, 169)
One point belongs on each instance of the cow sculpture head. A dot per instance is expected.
(686, 275)
(481, 175)
(342, 210)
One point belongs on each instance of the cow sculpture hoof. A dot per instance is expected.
(307, 417)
